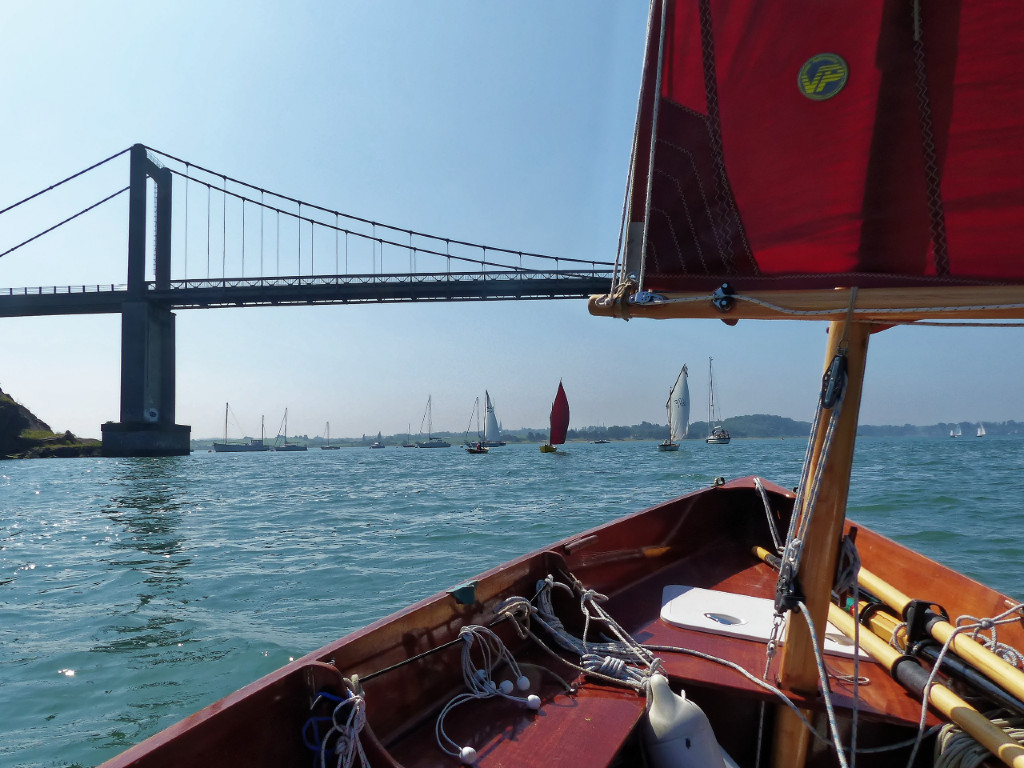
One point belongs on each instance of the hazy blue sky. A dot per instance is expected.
(503, 123)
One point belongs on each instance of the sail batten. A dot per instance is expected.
(827, 145)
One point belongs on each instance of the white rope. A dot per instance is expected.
(347, 721)
(825, 690)
(490, 653)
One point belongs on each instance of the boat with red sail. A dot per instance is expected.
(559, 422)
(860, 163)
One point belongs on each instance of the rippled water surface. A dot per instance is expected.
(135, 591)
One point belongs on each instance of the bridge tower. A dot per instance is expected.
(147, 425)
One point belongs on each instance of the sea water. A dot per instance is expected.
(136, 591)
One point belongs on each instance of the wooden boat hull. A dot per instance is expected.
(549, 449)
(668, 446)
(704, 539)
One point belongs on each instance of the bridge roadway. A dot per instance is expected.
(328, 289)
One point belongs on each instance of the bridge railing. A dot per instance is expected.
(62, 290)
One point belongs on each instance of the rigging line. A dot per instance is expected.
(62, 223)
(864, 310)
(654, 129)
(300, 239)
(243, 238)
(360, 219)
(261, 234)
(63, 181)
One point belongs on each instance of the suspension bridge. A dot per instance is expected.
(218, 241)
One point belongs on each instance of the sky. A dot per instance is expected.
(507, 124)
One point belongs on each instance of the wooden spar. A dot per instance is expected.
(798, 670)
(991, 665)
(939, 696)
(890, 305)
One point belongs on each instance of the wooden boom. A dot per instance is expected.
(874, 305)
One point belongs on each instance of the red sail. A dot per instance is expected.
(808, 144)
(559, 417)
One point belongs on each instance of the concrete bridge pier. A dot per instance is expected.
(147, 425)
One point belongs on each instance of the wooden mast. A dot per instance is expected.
(798, 670)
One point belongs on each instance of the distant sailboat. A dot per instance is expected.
(285, 445)
(678, 407)
(408, 443)
(328, 446)
(717, 435)
(249, 447)
(955, 431)
(431, 441)
(378, 443)
(559, 421)
(477, 446)
(981, 430)
(492, 432)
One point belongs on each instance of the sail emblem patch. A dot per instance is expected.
(822, 76)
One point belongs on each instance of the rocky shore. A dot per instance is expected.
(25, 436)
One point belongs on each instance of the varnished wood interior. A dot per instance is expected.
(703, 539)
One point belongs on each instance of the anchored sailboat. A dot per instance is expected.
(431, 441)
(717, 434)
(284, 445)
(327, 437)
(678, 409)
(251, 446)
(559, 421)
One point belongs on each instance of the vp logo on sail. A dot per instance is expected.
(822, 76)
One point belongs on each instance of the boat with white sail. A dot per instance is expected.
(492, 430)
(678, 409)
(981, 430)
